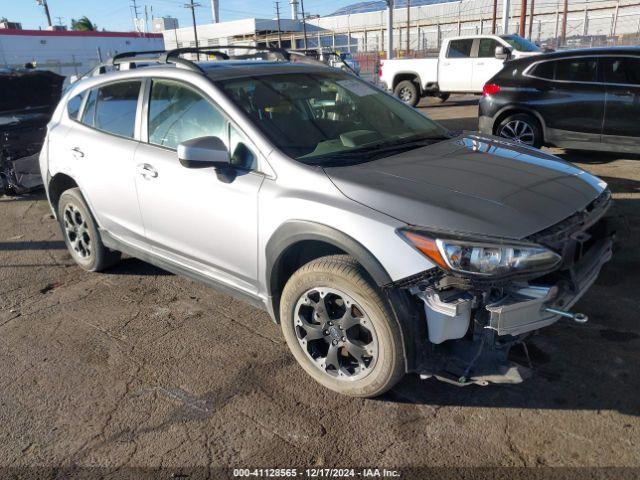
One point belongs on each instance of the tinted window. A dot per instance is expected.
(460, 48)
(577, 70)
(521, 44)
(487, 48)
(178, 113)
(544, 70)
(622, 70)
(88, 118)
(114, 108)
(73, 107)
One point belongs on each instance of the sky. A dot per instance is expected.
(116, 14)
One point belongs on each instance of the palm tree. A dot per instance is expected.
(83, 25)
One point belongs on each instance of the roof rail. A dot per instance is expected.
(173, 56)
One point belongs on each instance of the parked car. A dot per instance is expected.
(29, 98)
(580, 99)
(379, 241)
(463, 66)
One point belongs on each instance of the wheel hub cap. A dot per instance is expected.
(518, 131)
(77, 231)
(336, 333)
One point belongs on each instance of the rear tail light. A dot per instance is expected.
(490, 89)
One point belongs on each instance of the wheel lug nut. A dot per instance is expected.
(344, 339)
(326, 332)
(335, 342)
(331, 324)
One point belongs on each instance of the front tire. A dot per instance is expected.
(521, 128)
(81, 233)
(341, 329)
(407, 91)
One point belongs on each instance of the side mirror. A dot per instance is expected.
(503, 53)
(204, 152)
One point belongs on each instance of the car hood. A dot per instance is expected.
(471, 184)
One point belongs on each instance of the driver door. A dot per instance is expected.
(196, 217)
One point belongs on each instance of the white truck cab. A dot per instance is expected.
(463, 65)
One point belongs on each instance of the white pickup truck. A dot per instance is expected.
(464, 65)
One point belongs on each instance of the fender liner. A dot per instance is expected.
(406, 317)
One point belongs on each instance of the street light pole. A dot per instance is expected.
(304, 24)
(390, 5)
(505, 17)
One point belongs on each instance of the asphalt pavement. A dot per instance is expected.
(139, 368)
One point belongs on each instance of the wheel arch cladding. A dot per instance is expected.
(515, 110)
(296, 243)
(57, 186)
(410, 76)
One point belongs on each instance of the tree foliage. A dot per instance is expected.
(83, 24)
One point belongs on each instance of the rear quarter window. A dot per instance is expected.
(577, 70)
(544, 70)
(73, 106)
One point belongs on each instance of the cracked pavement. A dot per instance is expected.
(136, 367)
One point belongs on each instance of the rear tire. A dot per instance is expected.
(407, 91)
(521, 128)
(331, 304)
(81, 234)
(443, 97)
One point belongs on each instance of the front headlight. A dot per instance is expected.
(482, 258)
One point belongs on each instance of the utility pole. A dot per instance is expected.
(43, 3)
(192, 6)
(304, 24)
(523, 18)
(146, 19)
(134, 10)
(59, 19)
(564, 21)
(531, 16)
(390, 5)
(279, 29)
(408, 26)
(505, 17)
(494, 20)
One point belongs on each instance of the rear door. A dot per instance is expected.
(485, 63)
(455, 68)
(622, 109)
(573, 102)
(102, 146)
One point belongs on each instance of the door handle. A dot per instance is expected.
(147, 171)
(77, 152)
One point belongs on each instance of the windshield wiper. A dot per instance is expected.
(379, 149)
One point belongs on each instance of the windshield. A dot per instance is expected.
(521, 44)
(320, 117)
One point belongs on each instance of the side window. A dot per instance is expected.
(178, 113)
(460, 48)
(116, 106)
(241, 155)
(544, 70)
(89, 116)
(622, 70)
(577, 70)
(73, 106)
(487, 48)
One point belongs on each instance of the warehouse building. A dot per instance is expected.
(68, 52)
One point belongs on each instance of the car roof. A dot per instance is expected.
(223, 70)
(583, 52)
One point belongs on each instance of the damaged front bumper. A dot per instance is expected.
(472, 327)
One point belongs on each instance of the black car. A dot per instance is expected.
(578, 99)
(28, 100)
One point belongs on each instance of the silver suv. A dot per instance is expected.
(380, 242)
